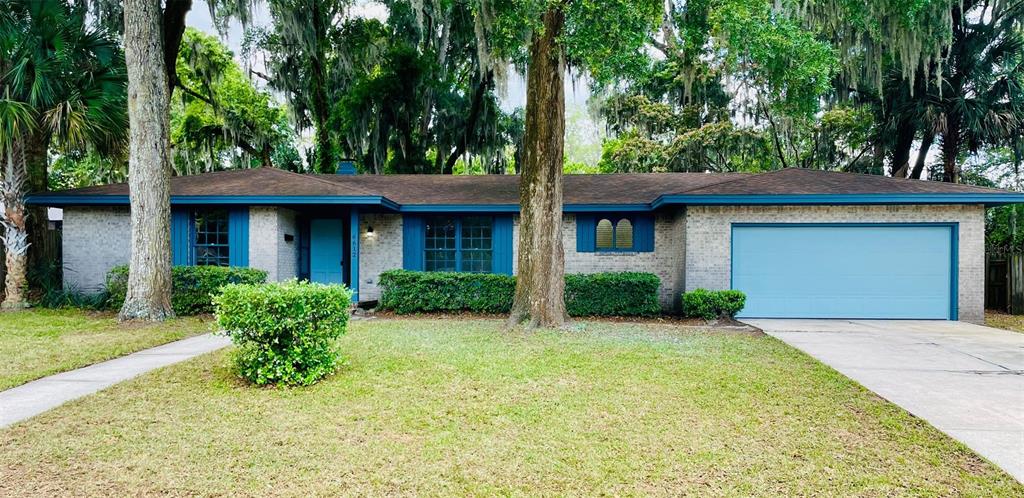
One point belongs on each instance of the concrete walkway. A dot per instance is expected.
(966, 380)
(33, 398)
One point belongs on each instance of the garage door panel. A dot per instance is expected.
(853, 271)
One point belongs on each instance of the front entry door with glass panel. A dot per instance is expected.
(326, 251)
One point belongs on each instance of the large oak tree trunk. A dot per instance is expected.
(540, 285)
(149, 164)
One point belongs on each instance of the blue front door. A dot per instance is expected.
(845, 271)
(326, 251)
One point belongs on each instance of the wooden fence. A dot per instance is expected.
(1004, 281)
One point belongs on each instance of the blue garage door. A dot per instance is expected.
(845, 271)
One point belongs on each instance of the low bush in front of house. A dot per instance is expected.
(286, 331)
(192, 287)
(597, 294)
(612, 294)
(407, 291)
(711, 305)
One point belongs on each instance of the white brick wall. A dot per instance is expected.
(379, 251)
(708, 240)
(287, 251)
(691, 247)
(94, 240)
(263, 240)
(268, 250)
(666, 261)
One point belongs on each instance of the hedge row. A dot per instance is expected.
(598, 294)
(192, 287)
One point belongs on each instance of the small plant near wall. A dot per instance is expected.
(285, 332)
(713, 305)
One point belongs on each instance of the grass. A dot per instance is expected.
(1001, 320)
(457, 407)
(40, 342)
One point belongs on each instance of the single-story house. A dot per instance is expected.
(799, 243)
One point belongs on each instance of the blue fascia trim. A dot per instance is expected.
(607, 208)
(459, 208)
(837, 199)
(514, 208)
(784, 224)
(954, 228)
(664, 200)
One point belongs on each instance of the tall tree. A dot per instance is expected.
(398, 92)
(301, 66)
(149, 170)
(604, 38)
(980, 95)
(218, 112)
(540, 284)
(16, 122)
(72, 76)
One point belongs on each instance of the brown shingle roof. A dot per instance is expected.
(796, 181)
(504, 189)
(256, 181)
(638, 188)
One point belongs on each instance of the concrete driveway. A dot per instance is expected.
(966, 380)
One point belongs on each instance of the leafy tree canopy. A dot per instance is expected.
(220, 112)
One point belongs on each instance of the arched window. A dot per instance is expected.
(614, 236)
(624, 234)
(605, 235)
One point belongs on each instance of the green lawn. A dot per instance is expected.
(40, 342)
(1006, 321)
(460, 408)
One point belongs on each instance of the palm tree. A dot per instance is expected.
(980, 98)
(72, 77)
(16, 121)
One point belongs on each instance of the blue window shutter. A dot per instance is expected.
(501, 242)
(180, 228)
(643, 234)
(585, 233)
(238, 236)
(412, 242)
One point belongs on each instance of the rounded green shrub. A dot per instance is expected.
(710, 305)
(285, 332)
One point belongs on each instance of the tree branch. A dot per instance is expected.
(195, 94)
(174, 29)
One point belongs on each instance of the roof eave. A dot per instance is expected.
(994, 199)
(191, 200)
